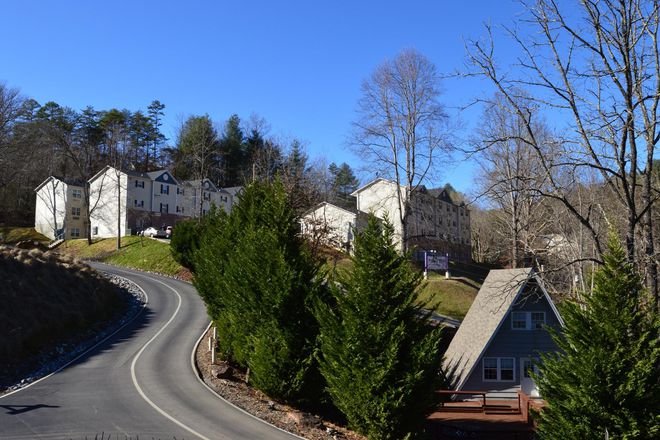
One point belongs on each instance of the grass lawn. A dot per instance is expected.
(450, 297)
(136, 252)
(12, 235)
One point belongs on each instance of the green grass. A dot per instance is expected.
(450, 297)
(12, 235)
(136, 252)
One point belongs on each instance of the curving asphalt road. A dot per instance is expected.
(138, 383)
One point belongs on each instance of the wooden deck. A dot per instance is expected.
(485, 418)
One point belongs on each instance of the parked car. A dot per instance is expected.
(168, 232)
(149, 232)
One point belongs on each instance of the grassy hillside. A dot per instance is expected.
(47, 298)
(451, 297)
(12, 235)
(136, 252)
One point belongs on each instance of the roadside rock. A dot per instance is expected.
(305, 420)
(222, 371)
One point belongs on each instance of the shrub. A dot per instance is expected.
(185, 242)
(258, 280)
(606, 375)
(379, 355)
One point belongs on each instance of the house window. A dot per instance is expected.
(74, 232)
(224, 199)
(76, 193)
(95, 230)
(490, 368)
(138, 203)
(498, 369)
(164, 208)
(527, 320)
(538, 320)
(179, 190)
(207, 196)
(164, 189)
(519, 320)
(75, 211)
(139, 183)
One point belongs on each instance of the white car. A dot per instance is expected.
(149, 232)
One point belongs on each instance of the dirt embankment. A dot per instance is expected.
(46, 299)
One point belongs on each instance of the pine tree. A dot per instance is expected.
(259, 281)
(606, 374)
(379, 355)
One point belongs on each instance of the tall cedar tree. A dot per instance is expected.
(378, 353)
(606, 374)
(259, 281)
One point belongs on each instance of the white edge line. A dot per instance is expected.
(197, 375)
(144, 305)
(139, 353)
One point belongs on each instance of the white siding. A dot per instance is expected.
(50, 209)
(105, 207)
(333, 224)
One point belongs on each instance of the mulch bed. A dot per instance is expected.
(235, 390)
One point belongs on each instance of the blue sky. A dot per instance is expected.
(298, 64)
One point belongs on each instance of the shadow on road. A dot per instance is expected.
(20, 409)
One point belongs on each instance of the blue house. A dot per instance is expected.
(498, 343)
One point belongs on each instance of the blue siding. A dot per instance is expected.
(516, 343)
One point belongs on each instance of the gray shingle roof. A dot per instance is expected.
(495, 298)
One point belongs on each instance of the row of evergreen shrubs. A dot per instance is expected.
(360, 342)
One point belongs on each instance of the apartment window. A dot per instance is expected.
(164, 189)
(95, 230)
(207, 196)
(497, 369)
(527, 320)
(179, 190)
(139, 183)
(179, 209)
(164, 208)
(75, 211)
(76, 193)
(74, 232)
(224, 199)
(138, 203)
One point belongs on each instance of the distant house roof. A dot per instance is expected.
(234, 190)
(367, 185)
(497, 295)
(330, 205)
(68, 181)
(198, 182)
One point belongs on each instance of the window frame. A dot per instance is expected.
(499, 369)
(529, 322)
(76, 193)
(75, 211)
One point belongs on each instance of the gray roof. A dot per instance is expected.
(496, 296)
(234, 190)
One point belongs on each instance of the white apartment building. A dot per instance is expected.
(435, 221)
(60, 208)
(197, 197)
(137, 199)
(333, 226)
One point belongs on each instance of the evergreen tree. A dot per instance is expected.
(258, 281)
(235, 159)
(379, 354)
(344, 183)
(606, 374)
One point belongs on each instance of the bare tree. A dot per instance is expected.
(11, 104)
(512, 178)
(401, 125)
(599, 70)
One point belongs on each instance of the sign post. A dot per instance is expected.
(433, 261)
